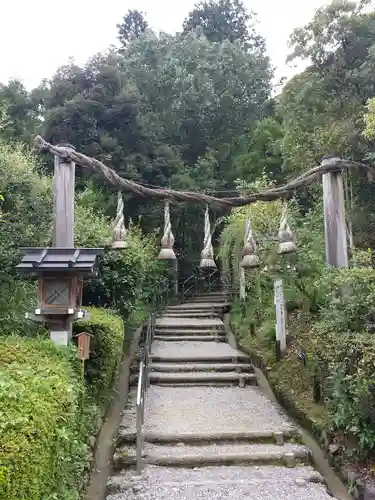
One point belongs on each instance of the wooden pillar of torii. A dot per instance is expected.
(334, 215)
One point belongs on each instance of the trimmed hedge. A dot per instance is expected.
(106, 347)
(46, 418)
(42, 433)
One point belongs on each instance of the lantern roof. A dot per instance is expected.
(83, 334)
(39, 261)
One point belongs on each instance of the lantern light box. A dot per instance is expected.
(60, 273)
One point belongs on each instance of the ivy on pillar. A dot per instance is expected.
(119, 232)
(207, 254)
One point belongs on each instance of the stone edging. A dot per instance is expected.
(110, 410)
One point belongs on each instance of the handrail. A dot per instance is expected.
(140, 417)
(144, 380)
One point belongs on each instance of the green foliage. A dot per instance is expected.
(127, 277)
(207, 93)
(221, 20)
(259, 151)
(26, 222)
(133, 25)
(344, 350)
(369, 118)
(339, 307)
(43, 427)
(322, 108)
(19, 112)
(106, 348)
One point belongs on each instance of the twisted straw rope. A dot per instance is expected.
(285, 191)
(207, 252)
(119, 230)
(168, 238)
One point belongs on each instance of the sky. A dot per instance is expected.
(36, 38)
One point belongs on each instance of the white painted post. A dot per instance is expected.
(61, 336)
(242, 284)
(334, 216)
(242, 270)
(280, 314)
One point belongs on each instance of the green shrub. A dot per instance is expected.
(26, 213)
(106, 349)
(127, 277)
(344, 349)
(338, 308)
(42, 428)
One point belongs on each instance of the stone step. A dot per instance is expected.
(202, 367)
(182, 331)
(183, 410)
(207, 300)
(201, 358)
(191, 352)
(287, 455)
(224, 437)
(202, 307)
(203, 378)
(188, 323)
(193, 338)
(214, 483)
(179, 314)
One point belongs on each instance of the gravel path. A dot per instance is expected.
(194, 349)
(189, 322)
(225, 474)
(210, 409)
(216, 483)
(225, 449)
(201, 307)
(228, 421)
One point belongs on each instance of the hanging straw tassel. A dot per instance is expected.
(167, 241)
(207, 255)
(249, 258)
(286, 237)
(119, 232)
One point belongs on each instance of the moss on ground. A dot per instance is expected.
(290, 379)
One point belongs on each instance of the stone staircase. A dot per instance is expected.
(210, 432)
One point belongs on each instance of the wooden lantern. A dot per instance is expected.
(83, 344)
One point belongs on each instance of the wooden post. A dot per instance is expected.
(63, 193)
(175, 284)
(334, 216)
(63, 228)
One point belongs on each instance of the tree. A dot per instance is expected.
(19, 112)
(133, 26)
(258, 152)
(221, 20)
(99, 110)
(322, 108)
(206, 94)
